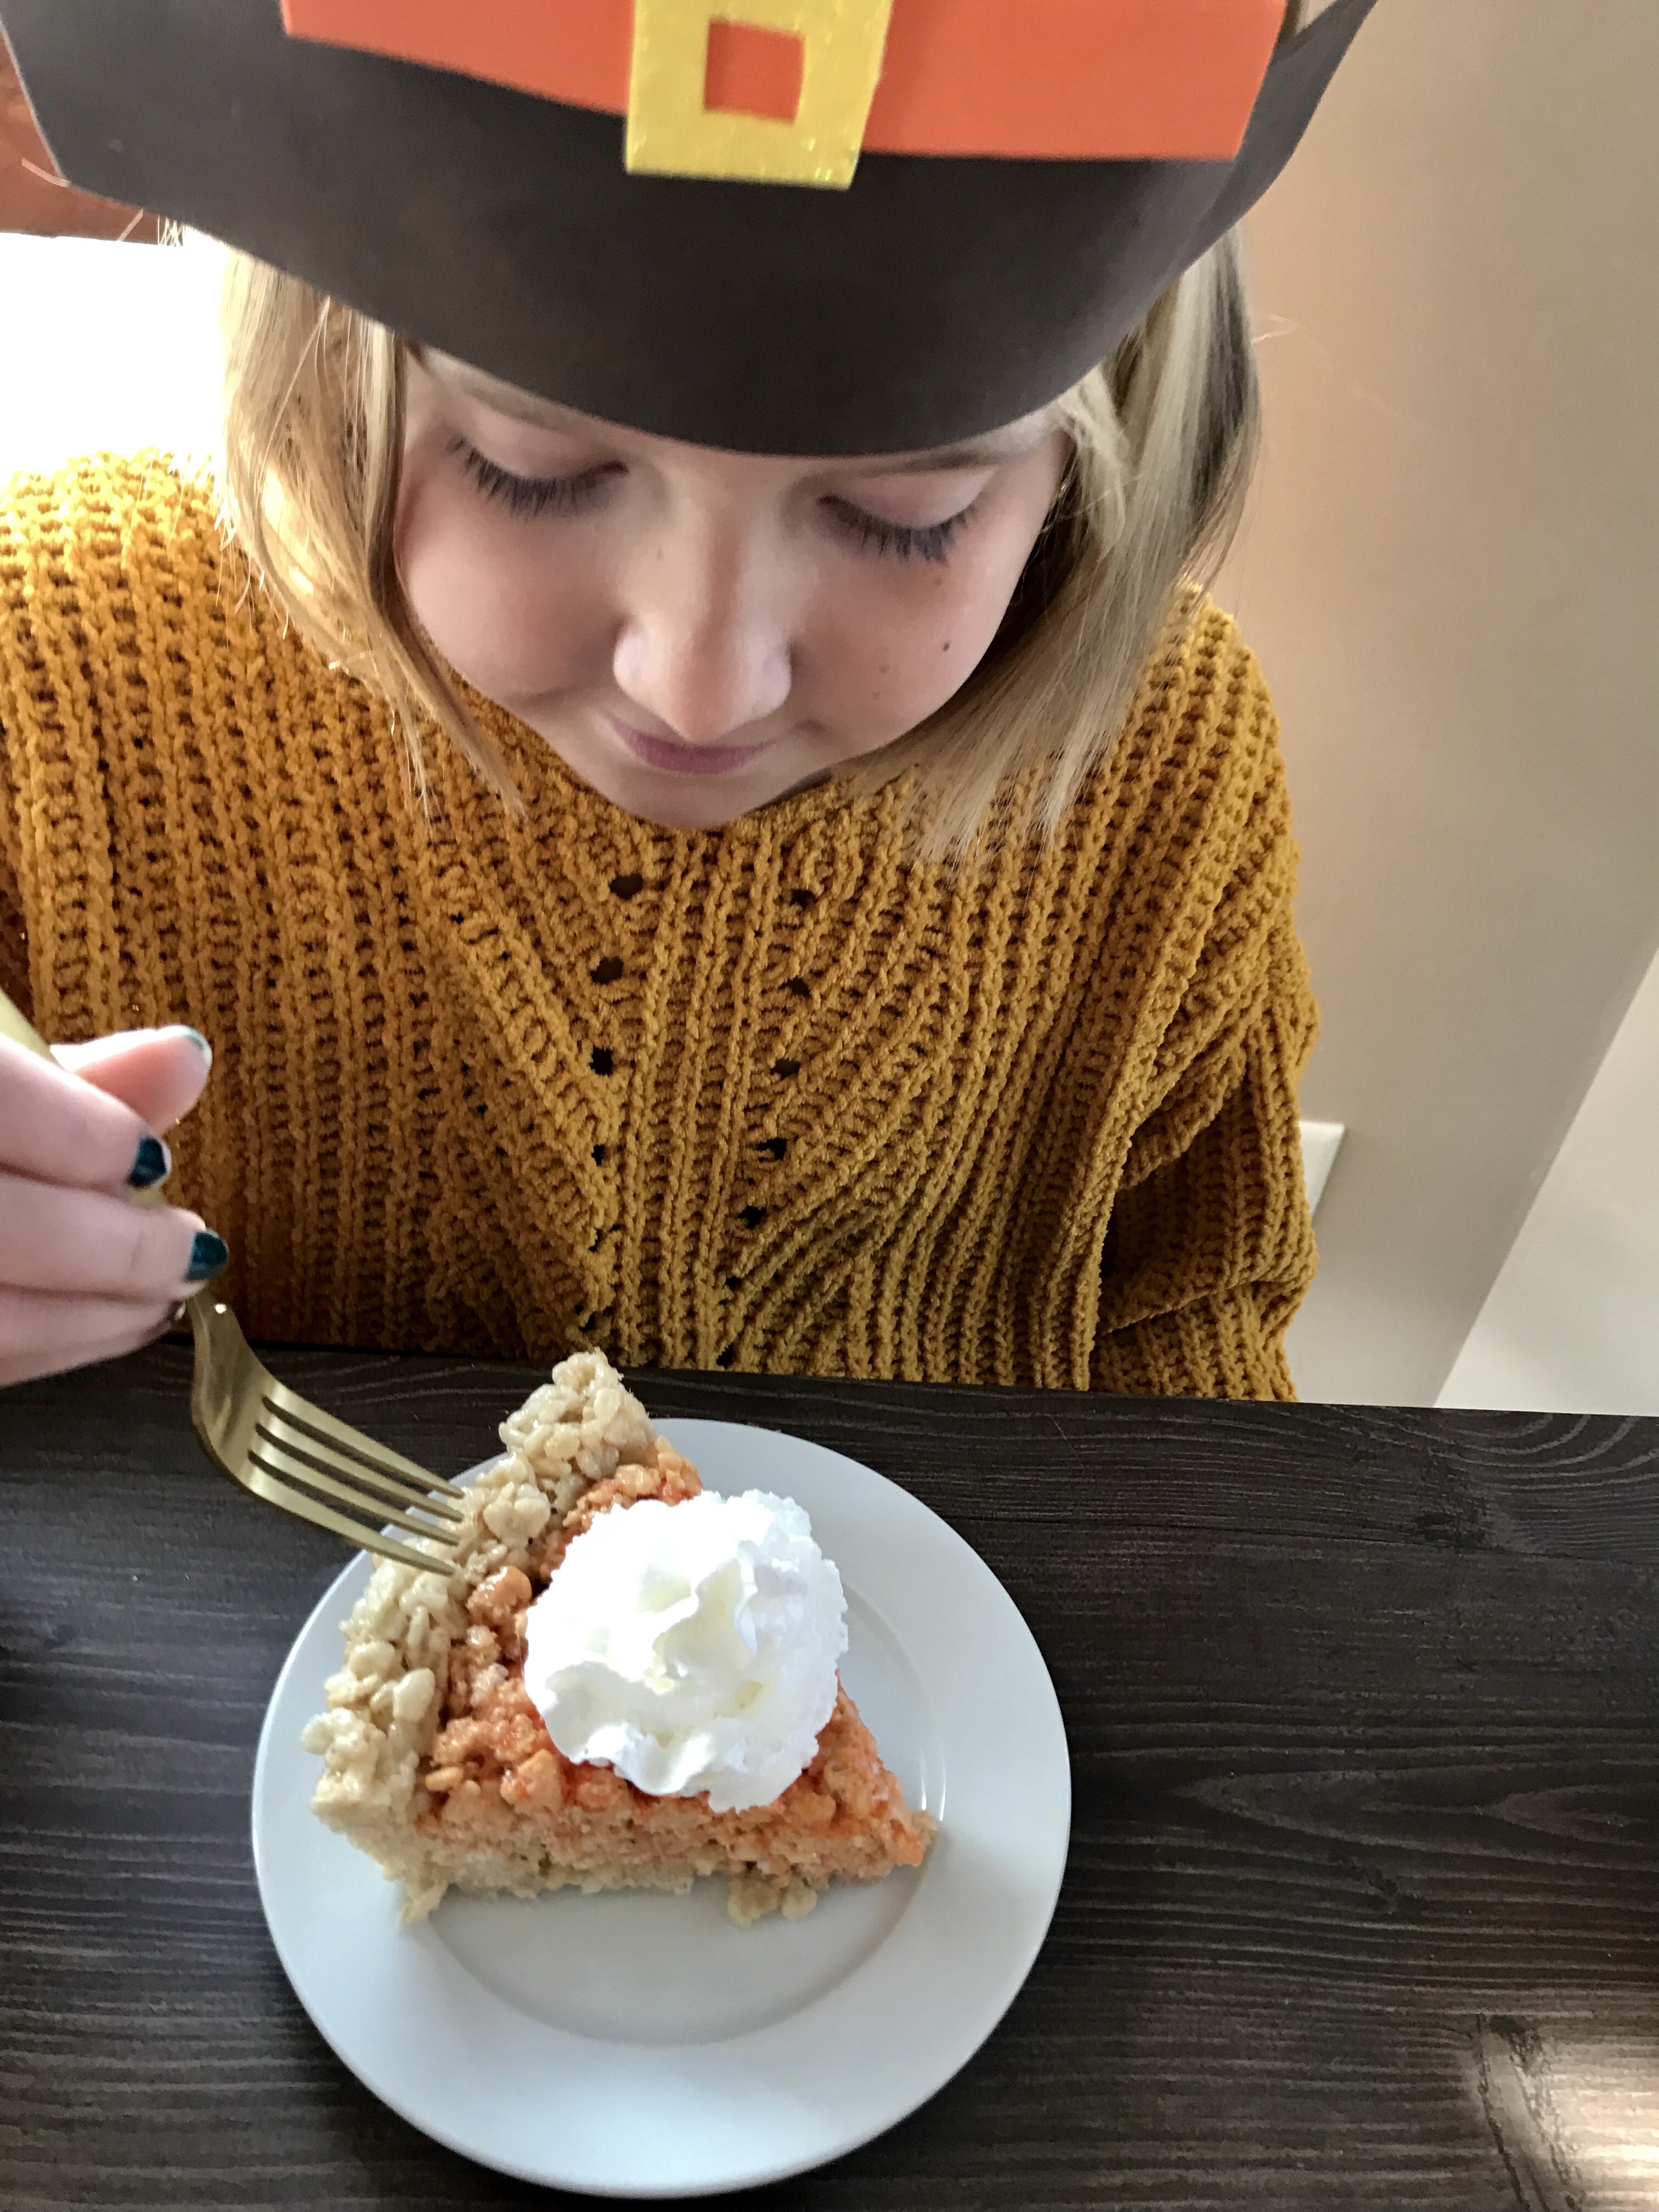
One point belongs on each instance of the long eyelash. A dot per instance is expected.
(534, 495)
(928, 541)
(531, 494)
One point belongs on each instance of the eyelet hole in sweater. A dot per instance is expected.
(608, 971)
(603, 1059)
(626, 887)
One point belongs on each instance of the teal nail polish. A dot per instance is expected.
(209, 1255)
(198, 1040)
(153, 1164)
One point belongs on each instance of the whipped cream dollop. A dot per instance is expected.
(691, 1647)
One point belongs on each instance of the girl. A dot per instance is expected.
(696, 797)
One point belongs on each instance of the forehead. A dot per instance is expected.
(1009, 442)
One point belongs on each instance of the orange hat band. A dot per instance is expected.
(791, 90)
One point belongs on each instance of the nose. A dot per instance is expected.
(703, 647)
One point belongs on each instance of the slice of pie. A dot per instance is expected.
(438, 1763)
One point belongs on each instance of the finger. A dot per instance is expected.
(158, 1072)
(58, 1358)
(86, 1243)
(60, 1130)
(36, 1325)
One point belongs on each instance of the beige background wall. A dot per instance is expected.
(1450, 575)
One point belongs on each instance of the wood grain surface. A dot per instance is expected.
(1363, 1905)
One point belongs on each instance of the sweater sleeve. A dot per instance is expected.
(1210, 1248)
(13, 935)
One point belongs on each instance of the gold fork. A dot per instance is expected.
(281, 1447)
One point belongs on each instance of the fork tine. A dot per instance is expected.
(295, 1438)
(231, 1390)
(274, 1492)
(277, 1461)
(327, 1430)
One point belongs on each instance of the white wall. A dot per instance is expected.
(1572, 1322)
(103, 348)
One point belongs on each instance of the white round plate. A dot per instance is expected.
(635, 2044)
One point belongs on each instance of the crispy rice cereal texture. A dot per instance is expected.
(438, 1766)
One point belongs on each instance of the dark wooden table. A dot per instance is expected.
(1363, 1905)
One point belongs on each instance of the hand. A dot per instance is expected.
(84, 1273)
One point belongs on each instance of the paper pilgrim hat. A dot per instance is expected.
(813, 227)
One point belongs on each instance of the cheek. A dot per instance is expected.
(907, 636)
(912, 636)
(506, 607)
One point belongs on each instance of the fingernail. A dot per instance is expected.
(209, 1255)
(153, 1164)
(197, 1040)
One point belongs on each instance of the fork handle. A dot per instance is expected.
(13, 1024)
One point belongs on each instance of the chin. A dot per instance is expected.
(672, 811)
(670, 802)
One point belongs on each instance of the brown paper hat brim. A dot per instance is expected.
(936, 298)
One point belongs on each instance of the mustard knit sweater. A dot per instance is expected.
(772, 1097)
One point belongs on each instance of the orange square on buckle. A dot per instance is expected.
(753, 70)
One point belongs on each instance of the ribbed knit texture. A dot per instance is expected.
(774, 1097)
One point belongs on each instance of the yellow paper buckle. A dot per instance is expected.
(672, 133)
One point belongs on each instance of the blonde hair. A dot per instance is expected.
(1162, 435)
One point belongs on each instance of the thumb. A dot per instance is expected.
(158, 1072)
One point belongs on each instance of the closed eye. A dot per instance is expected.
(900, 541)
(531, 496)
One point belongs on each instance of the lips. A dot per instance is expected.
(678, 759)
